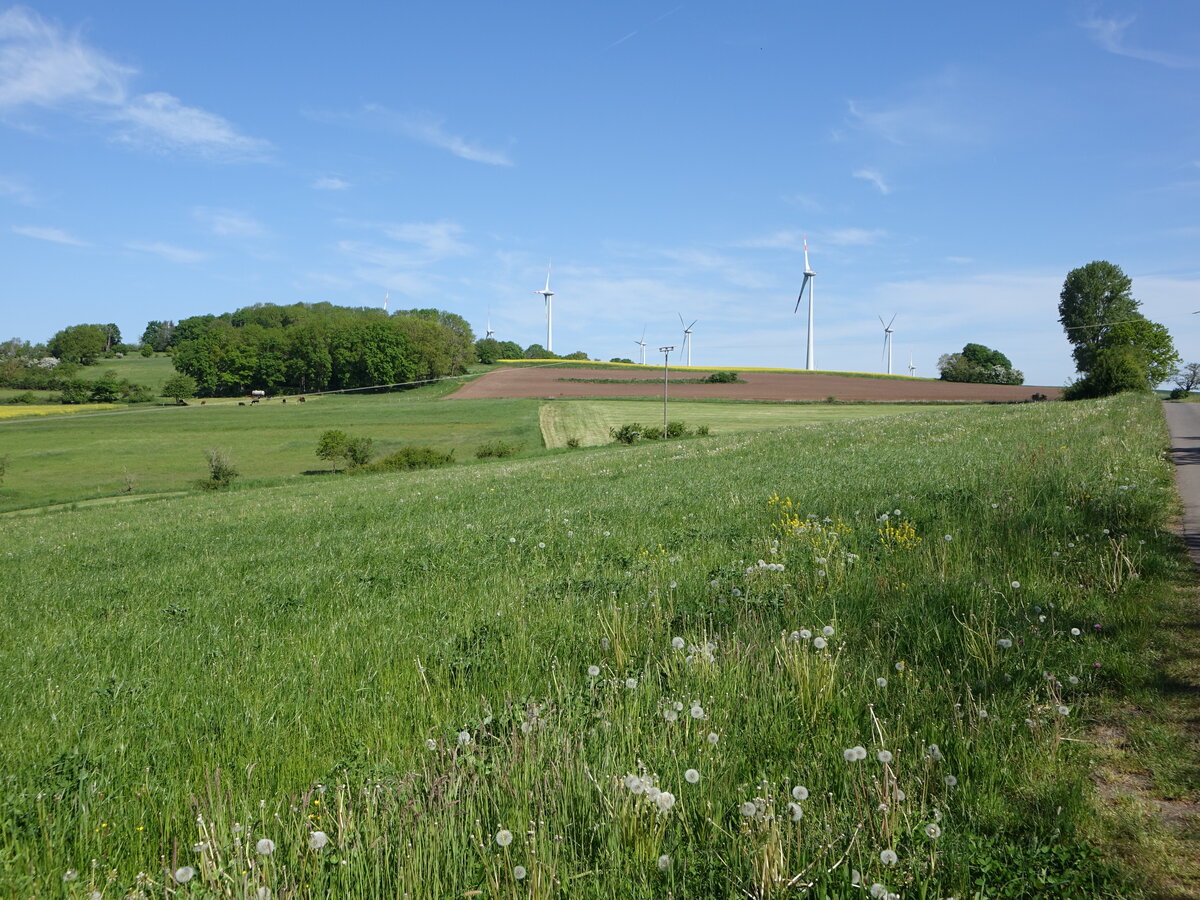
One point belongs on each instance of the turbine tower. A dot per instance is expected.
(912, 370)
(687, 338)
(809, 360)
(549, 295)
(386, 297)
(642, 344)
(489, 326)
(887, 340)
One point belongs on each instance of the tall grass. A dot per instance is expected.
(652, 668)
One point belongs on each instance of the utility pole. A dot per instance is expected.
(666, 352)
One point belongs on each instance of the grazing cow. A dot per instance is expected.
(283, 400)
(241, 403)
(202, 402)
(299, 399)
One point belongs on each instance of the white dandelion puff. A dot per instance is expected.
(265, 846)
(70, 875)
(748, 809)
(805, 634)
(184, 874)
(933, 831)
(697, 712)
(1004, 643)
(878, 891)
(504, 837)
(519, 873)
(797, 812)
(633, 783)
(631, 683)
(881, 682)
(691, 776)
(827, 631)
(464, 737)
(664, 862)
(1075, 632)
(713, 737)
(1016, 584)
(951, 781)
(678, 643)
(820, 643)
(884, 756)
(665, 801)
(1064, 710)
(670, 715)
(593, 671)
(888, 857)
(317, 840)
(799, 792)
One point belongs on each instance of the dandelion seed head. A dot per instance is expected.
(678, 643)
(878, 891)
(664, 862)
(1015, 585)
(888, 857)
(593, 671)
(820, 643)
(464, 737)
(317, 840)
(1064, 710)
(884, 756)
(519, 873)
(184, 874)
(828, 631)
(799, 792)
(748, 809)
(665, 801)
(951, 781)
(1075, 632)
(631, 683)
(933, 831)
(691, 776)
(504, 837)
(881, 682)
(70, 875)
(1004, 643)
(697, 712)
(797, 812)
(713, 737)
(265, 846)
(670, 715)
(430, 744)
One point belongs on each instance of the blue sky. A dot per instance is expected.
(948, 161)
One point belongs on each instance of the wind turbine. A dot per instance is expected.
(887, 340)
(642, 344)
(912, 370)
(489, 326)
(386, 297)
(687, 338)
(549, 295)
(809, 361)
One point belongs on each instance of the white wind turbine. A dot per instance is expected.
(387, 296)
(687, 338)
(549, 295)
(887, 340)
(490, 333)
(642, 344)
(912, 370)
(809, 360)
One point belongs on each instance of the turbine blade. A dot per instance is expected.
(694, 321)
(889, 325)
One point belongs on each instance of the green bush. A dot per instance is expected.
(221, 472)
(410, 457)
(573, 443)
(1177, 394)
(652, 433)
(31, 397)
(677, 430)
(702, 430)
(496, 449)
(627, 434)
(722, 378)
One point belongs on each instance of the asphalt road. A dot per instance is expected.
(1183, 420)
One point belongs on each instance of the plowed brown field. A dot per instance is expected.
(547, 383)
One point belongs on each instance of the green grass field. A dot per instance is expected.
(589, 421)
(801, 662)
(151, 371)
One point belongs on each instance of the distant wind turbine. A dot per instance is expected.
(687, 338)
(386, 297)
(912, 370)
(887, 341)
(810, 361)
(489, 325)
(549, 295)
(642, 344)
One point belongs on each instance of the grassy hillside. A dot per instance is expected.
(589, 421)
(635, 672)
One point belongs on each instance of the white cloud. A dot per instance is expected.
(231, 223)
(330, 183)
(1109, 35)
(41, 66)
(931, 111)
(873, 176)
(848, 237)
(159, 121)
(56, 235)
(436, 239)
(429, 129)
(168, 252)
(15, 189)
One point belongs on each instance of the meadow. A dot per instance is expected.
(126, 453)
(836, 662)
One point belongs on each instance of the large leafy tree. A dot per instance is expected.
(1094, 298)
(79, 343)
(979, 365)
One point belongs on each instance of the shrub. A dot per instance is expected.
(331, 446)
(627, 434)
(31, 397)
(410, 457)
(652, 433)
(722, 378)
(221, 472)
(572, 443)
(497, 449)
(677, 430)
(702, 430)
(358, 451)
(1177, 394)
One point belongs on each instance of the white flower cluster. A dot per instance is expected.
(646, 787)
(764, 566)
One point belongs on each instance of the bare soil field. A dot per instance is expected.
(547, 383)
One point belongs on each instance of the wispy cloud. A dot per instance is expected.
(160, 122)
(42, 66)
(16, 189)
(927, 112)
(873, 176)
(330, 183)
(636, 31)
(1109, 35)
(419, 126)
(230, 223)
(854, 237)
(56, 235)
(784, 239)
(169, 252)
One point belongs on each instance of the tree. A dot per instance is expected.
(331, 446)
(179, 387)
(1150, 341)
(1093, 299)
(79, 343)
(487, 350)
(537, 351)
(978, 364)
(1114, 370)
(112, 336)
(159, 335)
(510, 350)
(1187, 377)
